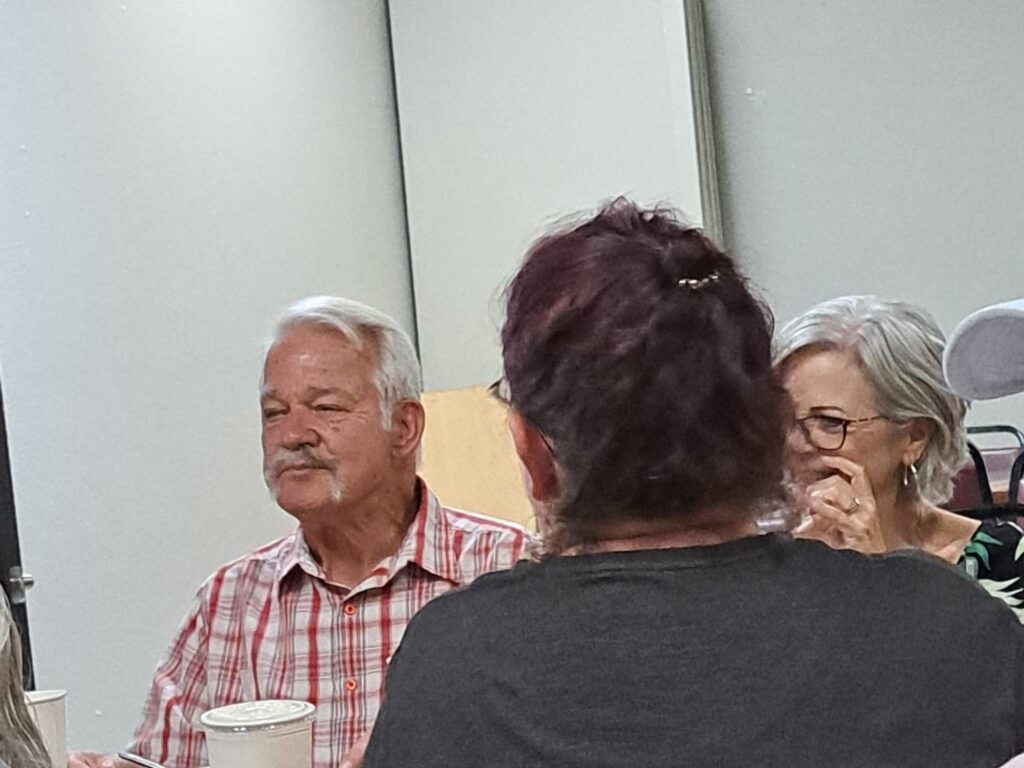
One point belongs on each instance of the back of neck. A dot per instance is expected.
(699, 529)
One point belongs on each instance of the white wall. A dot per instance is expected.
(874, 147)
(173, 174)
(514, 114)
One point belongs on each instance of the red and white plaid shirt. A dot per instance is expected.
(268, 626)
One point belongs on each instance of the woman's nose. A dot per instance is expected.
(797, 442)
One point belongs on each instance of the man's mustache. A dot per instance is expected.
(297, 458)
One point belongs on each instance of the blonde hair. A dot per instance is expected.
(21, 746)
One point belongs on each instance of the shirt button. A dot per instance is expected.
(349, 609)
(351, 684)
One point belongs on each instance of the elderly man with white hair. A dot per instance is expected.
(317, 615)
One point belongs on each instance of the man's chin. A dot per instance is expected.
(305, 502)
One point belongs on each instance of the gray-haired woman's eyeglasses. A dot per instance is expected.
(828, 433)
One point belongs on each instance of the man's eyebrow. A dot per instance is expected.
(310, 393)
(319, 391)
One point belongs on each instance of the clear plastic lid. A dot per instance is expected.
(257, 715)
(44, 697)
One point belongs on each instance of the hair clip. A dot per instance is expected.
(696, 284)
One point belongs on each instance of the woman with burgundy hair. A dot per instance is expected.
(661, 627)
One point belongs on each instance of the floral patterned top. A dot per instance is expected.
(995, 557)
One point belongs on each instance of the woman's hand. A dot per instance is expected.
(843, 511)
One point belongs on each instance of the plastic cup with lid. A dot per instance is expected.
(47, 709)
(260, 734)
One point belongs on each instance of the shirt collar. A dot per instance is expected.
(295, 553)
(430, 543)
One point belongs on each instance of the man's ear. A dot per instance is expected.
(538, 463)
(407, 422)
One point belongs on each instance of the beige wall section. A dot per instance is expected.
(468, 458)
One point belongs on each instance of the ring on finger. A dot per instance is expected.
(854, 506)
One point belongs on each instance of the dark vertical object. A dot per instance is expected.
(700, 92)
(10, 554)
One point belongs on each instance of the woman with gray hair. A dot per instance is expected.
(21, 746)
(879, 436)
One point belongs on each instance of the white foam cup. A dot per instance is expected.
(260, 734)
(47, 709)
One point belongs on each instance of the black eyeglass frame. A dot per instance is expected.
(495, 391)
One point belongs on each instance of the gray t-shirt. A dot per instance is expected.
(763, 651)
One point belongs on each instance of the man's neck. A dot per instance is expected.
(348, 542)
